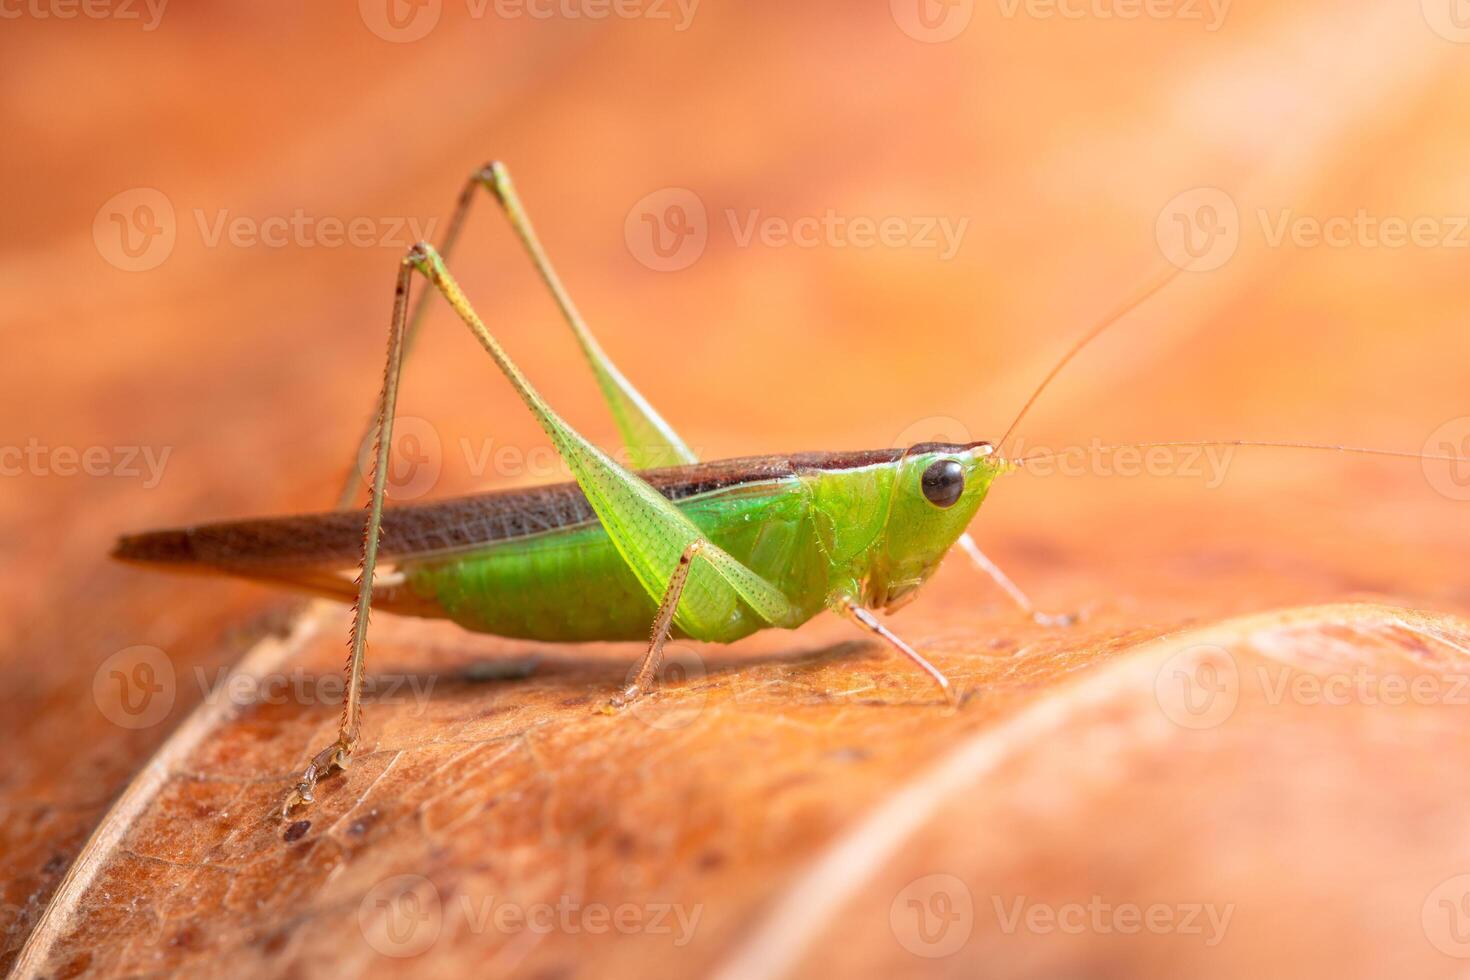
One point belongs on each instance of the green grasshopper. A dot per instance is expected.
(711, 551)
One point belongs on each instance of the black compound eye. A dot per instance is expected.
(943, 482)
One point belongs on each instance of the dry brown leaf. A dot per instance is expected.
(817, 808)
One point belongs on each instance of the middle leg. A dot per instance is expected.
(869, 622)
(662, 625)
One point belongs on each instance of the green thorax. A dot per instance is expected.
(882, 536)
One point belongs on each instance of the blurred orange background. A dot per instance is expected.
(1063, 146)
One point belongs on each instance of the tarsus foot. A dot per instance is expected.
(332, 757)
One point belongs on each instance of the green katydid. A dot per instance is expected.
(711, 551)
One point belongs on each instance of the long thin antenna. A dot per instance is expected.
(1253, 444)
(1128, 306)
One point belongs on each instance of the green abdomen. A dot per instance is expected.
(571, 585)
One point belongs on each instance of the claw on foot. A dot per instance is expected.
(952, 697)
(621, 700)
(1055, 620)
(332, 757)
